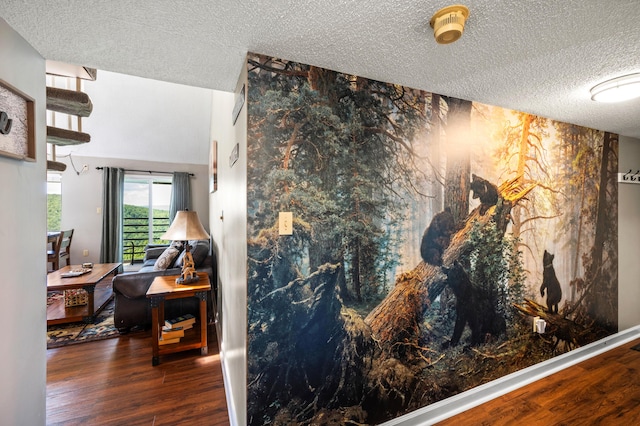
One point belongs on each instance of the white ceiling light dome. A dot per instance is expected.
(618, 89)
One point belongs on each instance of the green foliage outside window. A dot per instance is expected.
(54, 211)
(136, 230)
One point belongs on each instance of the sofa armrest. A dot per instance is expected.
(135, 285)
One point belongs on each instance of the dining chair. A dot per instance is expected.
(61, 250)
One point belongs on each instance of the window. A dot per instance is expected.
(54, 201)
(145, 213)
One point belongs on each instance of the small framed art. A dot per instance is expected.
(17, 124)
(213, 167)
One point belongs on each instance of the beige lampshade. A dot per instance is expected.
(186, 226)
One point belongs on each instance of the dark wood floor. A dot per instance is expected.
(604, 390)
(112, 382)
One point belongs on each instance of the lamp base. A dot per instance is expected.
(187, 280)
(188, 275)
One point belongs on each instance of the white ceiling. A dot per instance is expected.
(535, 56)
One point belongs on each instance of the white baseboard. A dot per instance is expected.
(233, 418)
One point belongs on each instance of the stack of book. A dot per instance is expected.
(173, 329)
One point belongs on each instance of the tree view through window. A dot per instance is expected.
(146, 213)
(54, 201)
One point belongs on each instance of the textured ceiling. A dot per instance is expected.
(535, 56)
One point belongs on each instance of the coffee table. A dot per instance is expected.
(99, 292)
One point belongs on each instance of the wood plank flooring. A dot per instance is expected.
(604, 390)
(112, 382)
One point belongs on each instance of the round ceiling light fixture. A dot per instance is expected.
(618, 89)
(448, 23)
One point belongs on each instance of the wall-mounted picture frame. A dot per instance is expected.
(17, 123)
(238, 105)
(213, 167)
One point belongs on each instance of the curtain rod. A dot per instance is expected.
(145, 171)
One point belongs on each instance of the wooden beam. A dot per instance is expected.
(57, 136)
(69, 102)
(56, 166)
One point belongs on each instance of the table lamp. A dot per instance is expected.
(186, 226)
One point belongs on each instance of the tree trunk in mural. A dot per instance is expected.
(396, 322)
(523, 154)
(458, 173)
(437, 201)
(602, 297)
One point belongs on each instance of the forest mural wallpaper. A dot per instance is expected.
(428, 232)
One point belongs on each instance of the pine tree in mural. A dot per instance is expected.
(344, 154)
(600, 292)
(576, 162)
(458, 171)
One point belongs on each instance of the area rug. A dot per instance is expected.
(79, 332)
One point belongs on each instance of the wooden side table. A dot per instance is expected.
(165, 288)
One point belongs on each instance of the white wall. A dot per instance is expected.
(230, 238)
(82, 196)
(136, 118)
(23, 248)
(628, 237)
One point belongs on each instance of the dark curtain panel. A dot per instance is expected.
(180, 194)
(112, 213)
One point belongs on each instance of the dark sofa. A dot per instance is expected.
(132, 308)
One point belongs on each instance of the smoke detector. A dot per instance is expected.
(448, 23)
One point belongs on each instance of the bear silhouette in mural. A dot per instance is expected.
(550, 283)
(474, 307)
(436, 237)
(485, 191)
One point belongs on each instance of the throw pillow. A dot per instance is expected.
(200, 252)
(165, 260)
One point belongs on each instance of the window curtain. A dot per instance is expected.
(180, 194)
(112, 213)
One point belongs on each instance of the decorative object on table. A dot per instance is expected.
(75, 297)
(17, 124)
(76, 272)
(186, 226)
